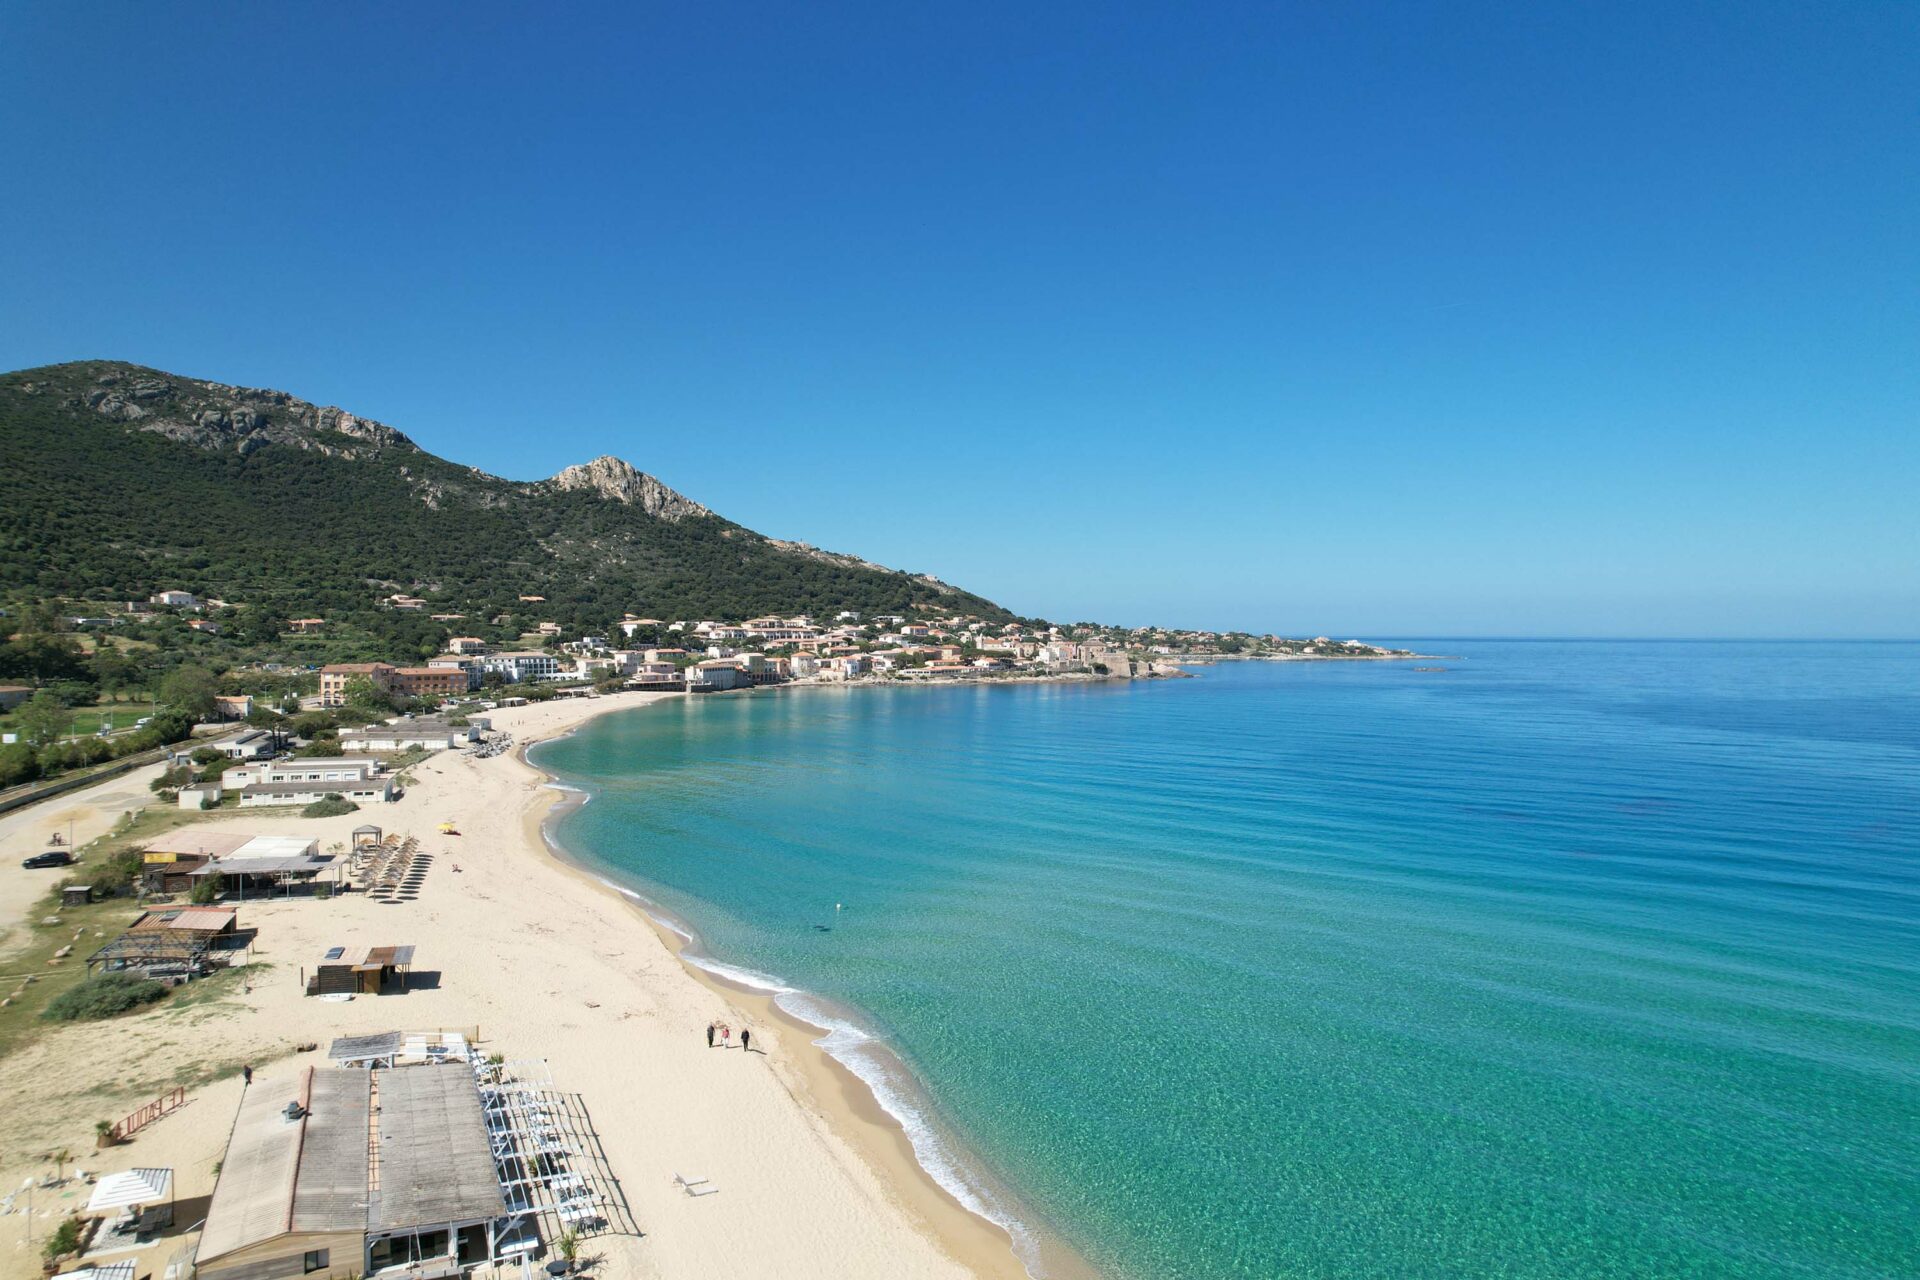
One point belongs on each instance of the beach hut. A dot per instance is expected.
(366, 837)
(359, 970)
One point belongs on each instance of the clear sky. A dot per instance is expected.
(1377, 319)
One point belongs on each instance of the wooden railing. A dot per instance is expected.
(164, 1105)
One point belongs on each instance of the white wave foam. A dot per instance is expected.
(877, 1067)
(750, 978)
(586, 797)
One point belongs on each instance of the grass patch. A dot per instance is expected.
(29, 974)
(105, 995)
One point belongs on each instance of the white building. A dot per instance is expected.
(715, 676)
(523, 667)
(254, 744)
(367, 791)
(405, 736)
(305, 769)
(176, 599)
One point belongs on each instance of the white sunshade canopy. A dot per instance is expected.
(132, 1189)
(102, 1271)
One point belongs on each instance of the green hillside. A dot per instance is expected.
(117, 481)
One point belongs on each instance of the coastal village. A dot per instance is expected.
(299, 997)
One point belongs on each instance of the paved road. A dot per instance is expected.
(90, 811)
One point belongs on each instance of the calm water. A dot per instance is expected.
(1574, 960)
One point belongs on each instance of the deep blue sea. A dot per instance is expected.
(1570, 960)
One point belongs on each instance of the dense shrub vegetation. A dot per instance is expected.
(94, 508)
(331, 805)
(103, 996)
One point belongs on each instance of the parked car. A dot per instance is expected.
(51, 858)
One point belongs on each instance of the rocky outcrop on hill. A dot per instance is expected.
(617, 481)
(212, 415)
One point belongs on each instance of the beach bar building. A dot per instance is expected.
(249, 865)
(337, 1172)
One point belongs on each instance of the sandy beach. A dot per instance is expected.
(546, 962)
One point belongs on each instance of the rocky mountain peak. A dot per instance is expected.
(619, 481)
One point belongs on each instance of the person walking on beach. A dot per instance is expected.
(709, 1035)
(246, 1075)
(745, 1036)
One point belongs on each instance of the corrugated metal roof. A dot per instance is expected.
(253, 1200)
(436, 1163)
(189, 919)
(311, 1175)
(204, 918)
(330, 1193)
(356, 1048)
(361, 957)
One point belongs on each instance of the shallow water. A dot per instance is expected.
(1574, 959)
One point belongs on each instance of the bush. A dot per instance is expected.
(331, 805)
(117, 871)
(103, 996)
(172, 779)
(207, 889)
(64, 1240)
(208, 755)
(322, 747)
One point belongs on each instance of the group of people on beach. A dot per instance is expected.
(725, 1035)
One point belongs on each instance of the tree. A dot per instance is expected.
(190, 690)
(363, 695)
(42, 721)
(113, 671)
(18, 764)
(42, 657)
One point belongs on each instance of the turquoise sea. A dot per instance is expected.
(1571, 960)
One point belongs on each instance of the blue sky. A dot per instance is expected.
(1386, 319)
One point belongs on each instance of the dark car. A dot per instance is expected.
(51, 858)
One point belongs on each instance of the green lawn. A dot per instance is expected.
(85, 721)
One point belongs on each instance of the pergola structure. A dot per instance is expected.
(551, 1167)
(155, 953)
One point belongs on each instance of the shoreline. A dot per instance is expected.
(825, 1085)
(533, 959)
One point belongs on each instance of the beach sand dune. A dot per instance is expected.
(545, 963)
